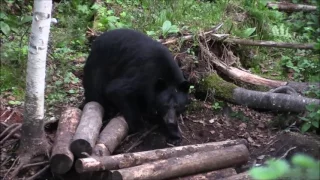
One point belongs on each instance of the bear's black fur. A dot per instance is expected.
(136, 75)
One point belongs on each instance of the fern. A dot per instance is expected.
(281, 32)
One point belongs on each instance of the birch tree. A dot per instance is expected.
(33, 142)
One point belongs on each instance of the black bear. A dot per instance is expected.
(136, 75)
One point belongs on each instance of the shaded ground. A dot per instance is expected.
(200, 125)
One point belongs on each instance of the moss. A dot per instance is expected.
(222, 88)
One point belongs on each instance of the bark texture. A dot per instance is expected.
(61, 157)
(133, 159)
(290, 7)
(218, 174)
(111, 136)
(186, 165)
(88, 130)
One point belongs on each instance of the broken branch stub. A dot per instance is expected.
(62, 158)
(133, 159)
(111, 136)
(88, 130)
(186, 165)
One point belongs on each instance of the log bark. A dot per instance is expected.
(218, 174)
(270, 43)
(88, 130)
(240, 176)
(255, 99)
(290, 7)
(62, 158)
(133, 159)
(111, 136)
(186, 165)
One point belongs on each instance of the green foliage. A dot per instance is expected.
(168, 28)
(304, 69)
(240, 115)
(301, 167)
(312, 119)
(217, 105)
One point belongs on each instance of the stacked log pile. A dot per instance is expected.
(80, 144)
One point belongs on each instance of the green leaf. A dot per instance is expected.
(26, 19)
(310, 107)
(315, 123)
(3, 16)
(173, 29)
(303, 161)
(304, 119)
(166, 26)
(15, 102)
(305, 127)
(4, 28)
(248, 32)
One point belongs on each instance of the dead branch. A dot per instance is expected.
(270, 43)
(88, 130)
(139, 140)
(186, 165)
(62, 158)
(290, 7)
(222, 173)
(133, 159)
(111, 136)
(13, 129)
(189, 37)
(255, 99)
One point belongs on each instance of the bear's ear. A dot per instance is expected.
(160, 85)
(184, 86)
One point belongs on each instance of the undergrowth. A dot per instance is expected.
(249, 19)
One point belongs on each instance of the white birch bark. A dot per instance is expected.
(36, 70)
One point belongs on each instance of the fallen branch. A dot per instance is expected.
(255, 99)
(290, 7)
(186, 165)
(270, 43)
(62, 158)
(88, 130)
(133, 159)
(222, 173)
(10, 131)
(111, 136)
(243, 76)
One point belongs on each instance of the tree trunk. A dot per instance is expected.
(290, 7)
(33, 141)
(111, 136)
(255, 99)
(186, 165)
(218, 174)
(88, 130)
(133, 159)
(61, 157)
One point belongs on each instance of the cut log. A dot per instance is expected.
(290, 7)
(255, 99)
(62, 158)
(111, 136)
(270, 43)
(186, 165)
(133, 159)
(240, 176)
(218, 174)
(88, 130)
